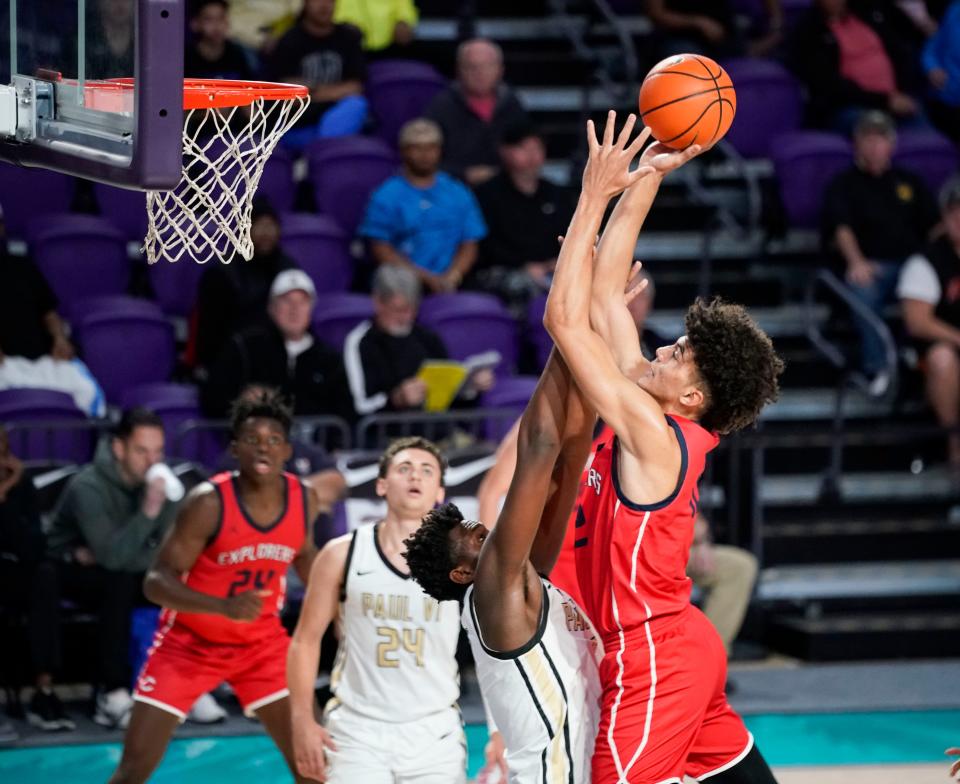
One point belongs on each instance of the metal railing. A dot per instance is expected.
(480, 424)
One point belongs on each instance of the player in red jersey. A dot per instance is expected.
(665, 714)
(221, 578)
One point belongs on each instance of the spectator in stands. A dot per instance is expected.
(422, 218)
(383, 356)
(941, 63)
(853, 63)
(328, 58)
(929, 290)
(524, 214)
(474, 110)
(233, 297)
(104, 534)
(22, 548)
(257, 24)
(281, 353)
(387, 25)
(210, 54)
(705, 26)
(34, 348)
(876, 215)
(109, 45)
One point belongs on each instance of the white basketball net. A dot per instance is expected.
(207, 216)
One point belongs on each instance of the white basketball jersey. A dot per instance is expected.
(396, 660)
(545, 696)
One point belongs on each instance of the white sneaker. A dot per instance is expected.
(113, 709)
(206, 710)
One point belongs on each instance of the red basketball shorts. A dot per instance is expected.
(664, 710)
(183, 666)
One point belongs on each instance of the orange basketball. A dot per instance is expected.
(687, 99)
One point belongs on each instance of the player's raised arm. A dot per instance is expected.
(196, 523)
(636, 417)
(303, 658)
(308, 551)
(609, 315)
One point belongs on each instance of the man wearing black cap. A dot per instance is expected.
(876, 215)
(929, 290)
(524, 213)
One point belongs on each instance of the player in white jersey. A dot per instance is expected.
(393, 717)
(535, 651)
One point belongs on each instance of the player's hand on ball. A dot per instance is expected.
(310, 744)
(607, 172)
(245, 606)
(663, 159)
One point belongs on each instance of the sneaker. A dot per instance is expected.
(7, 733)
(206, 710)
(46, 712)
(113, 709)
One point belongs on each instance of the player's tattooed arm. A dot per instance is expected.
(192, 530)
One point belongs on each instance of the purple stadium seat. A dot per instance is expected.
(476, 326)
(927, 154)
(177, 404)
(510, 392)
(344, 172)
(398, 91)
(437, 304)
(124, 209)
(277, 183)
(26, 405)
(126, 348)
(81, 256)
(27, 193)
(537, 334)
(176, 284)
(769, 102)
(805, 163)
(336, 314)
(320, 248)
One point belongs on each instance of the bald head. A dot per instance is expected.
(479, 67)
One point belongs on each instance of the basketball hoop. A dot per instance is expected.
(230, 130)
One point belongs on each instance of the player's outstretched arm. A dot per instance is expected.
(303, 658)
(636, 418)
(496, 481)
(196, 522)
(609, 315)
(308, 550)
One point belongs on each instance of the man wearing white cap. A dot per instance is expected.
(281, 353)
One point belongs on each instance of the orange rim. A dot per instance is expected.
(217, 93)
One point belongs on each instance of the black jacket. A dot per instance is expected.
(316, 382)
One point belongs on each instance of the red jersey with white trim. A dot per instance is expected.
(243, 556)
(632, 558)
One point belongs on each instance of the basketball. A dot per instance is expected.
(687, 99)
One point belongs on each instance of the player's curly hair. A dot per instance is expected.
(431, 555)
(736, 361)
(260, 402)
(410, 442)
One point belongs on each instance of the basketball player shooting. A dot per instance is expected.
(664, 713)
(220, 576)
(535, 652)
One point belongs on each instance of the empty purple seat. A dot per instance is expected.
(399, 91)
(81, 256)
(126, 348)
(176, 284)
(27, 193)
(537, 335)
(805, 163)
(344, 172)
(512, 392)
(927, 154)
(321, 249)
(277, 183)
(334, 315)
(437, 304)
(474, 327)
(56, 440)
(124, 209)
(769, 102)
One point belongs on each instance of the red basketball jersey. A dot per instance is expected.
(242, 556)
(632, 558)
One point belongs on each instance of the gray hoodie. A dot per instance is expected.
(98, 510)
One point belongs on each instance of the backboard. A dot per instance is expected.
(58, 108)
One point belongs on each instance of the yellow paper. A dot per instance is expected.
(443, 380)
